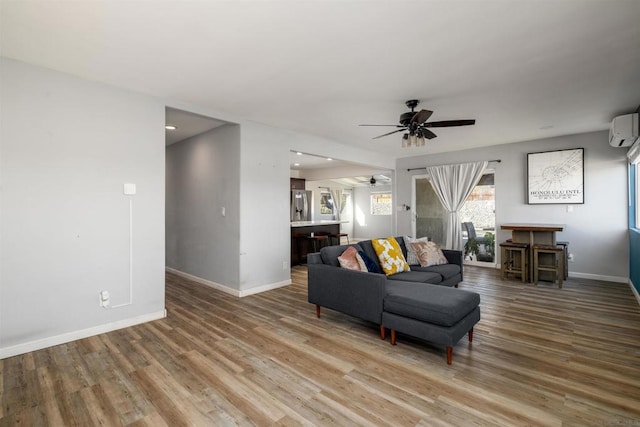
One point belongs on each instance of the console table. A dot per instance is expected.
(542, 234)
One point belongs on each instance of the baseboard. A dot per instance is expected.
(264, 288)
(635, 291)
(77, 335)
(573, 274)
(616, 279)
(227, 289)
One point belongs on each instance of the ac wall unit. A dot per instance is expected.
(624, 130)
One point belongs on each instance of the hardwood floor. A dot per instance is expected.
(540, 356)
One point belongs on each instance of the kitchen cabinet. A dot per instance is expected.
(297, 184)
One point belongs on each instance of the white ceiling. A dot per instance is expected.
(523, 69)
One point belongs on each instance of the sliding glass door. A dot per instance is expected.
(428, 215)
(477, 217)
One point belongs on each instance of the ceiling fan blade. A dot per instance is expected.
(428, 134)
(395, 131)
(449, 123)
(398, 126)
(421, 116)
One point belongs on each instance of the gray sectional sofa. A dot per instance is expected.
(422, 302)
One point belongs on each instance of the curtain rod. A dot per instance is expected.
(415, 169)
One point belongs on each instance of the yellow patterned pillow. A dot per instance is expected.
(390, 255)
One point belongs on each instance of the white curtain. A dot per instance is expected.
(336, 195)
(453, 184)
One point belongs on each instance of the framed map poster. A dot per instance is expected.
(555, 177)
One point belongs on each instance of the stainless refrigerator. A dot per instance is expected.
(301, 205)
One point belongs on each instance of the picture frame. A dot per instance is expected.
(555, 177)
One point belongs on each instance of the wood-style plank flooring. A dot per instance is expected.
(540, 356)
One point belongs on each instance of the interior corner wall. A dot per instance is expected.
(67, 146)
(365, 225)
(202, 179)
(596, 230)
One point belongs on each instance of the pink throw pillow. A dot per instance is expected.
(348, 259)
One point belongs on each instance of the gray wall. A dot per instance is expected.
(67, 147)
(365, 225)
(596, 230)
(202, 178)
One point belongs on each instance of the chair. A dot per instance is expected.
(315, 239)
(471, 233)
(556, 265)
(508, 250)
(339, 237)
(565, 256)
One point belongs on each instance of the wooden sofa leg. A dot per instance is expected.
(383, 332)
(449, 355)
(393, 337)
(471, 335)
(318, 311)
(456, 285)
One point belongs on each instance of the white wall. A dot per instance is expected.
(264, 207)
(203, 176)
(265, 192)
(365, 225)
(67, 147)
(596, 230)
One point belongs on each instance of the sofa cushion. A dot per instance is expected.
(348, 259)
(367, 248)
(412, 258)
(330, 254)
(430, 303)
(417, 276)
(445, 270)
(390, 255)
(428, 253)
(367, 264)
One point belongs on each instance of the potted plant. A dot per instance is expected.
(471, 248)
(488, 241)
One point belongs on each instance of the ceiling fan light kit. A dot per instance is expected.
(415, 126)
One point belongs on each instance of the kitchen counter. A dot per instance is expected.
(314, 223)
(300, 245)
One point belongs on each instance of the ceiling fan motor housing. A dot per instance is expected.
(405, 118)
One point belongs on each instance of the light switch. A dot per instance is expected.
(223, 211)
(569, 208)
(129, 189)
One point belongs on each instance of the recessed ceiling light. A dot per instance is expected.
(170, 127)
(329, 158)
(296, 164)
(299, 153)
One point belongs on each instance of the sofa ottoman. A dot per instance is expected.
(434, 313)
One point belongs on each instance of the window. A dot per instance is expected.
(380, 203)
(326, 204)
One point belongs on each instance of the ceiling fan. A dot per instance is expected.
(375, 179)
(415, 125)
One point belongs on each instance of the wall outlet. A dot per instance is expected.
(285, 265)
(570, 257)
